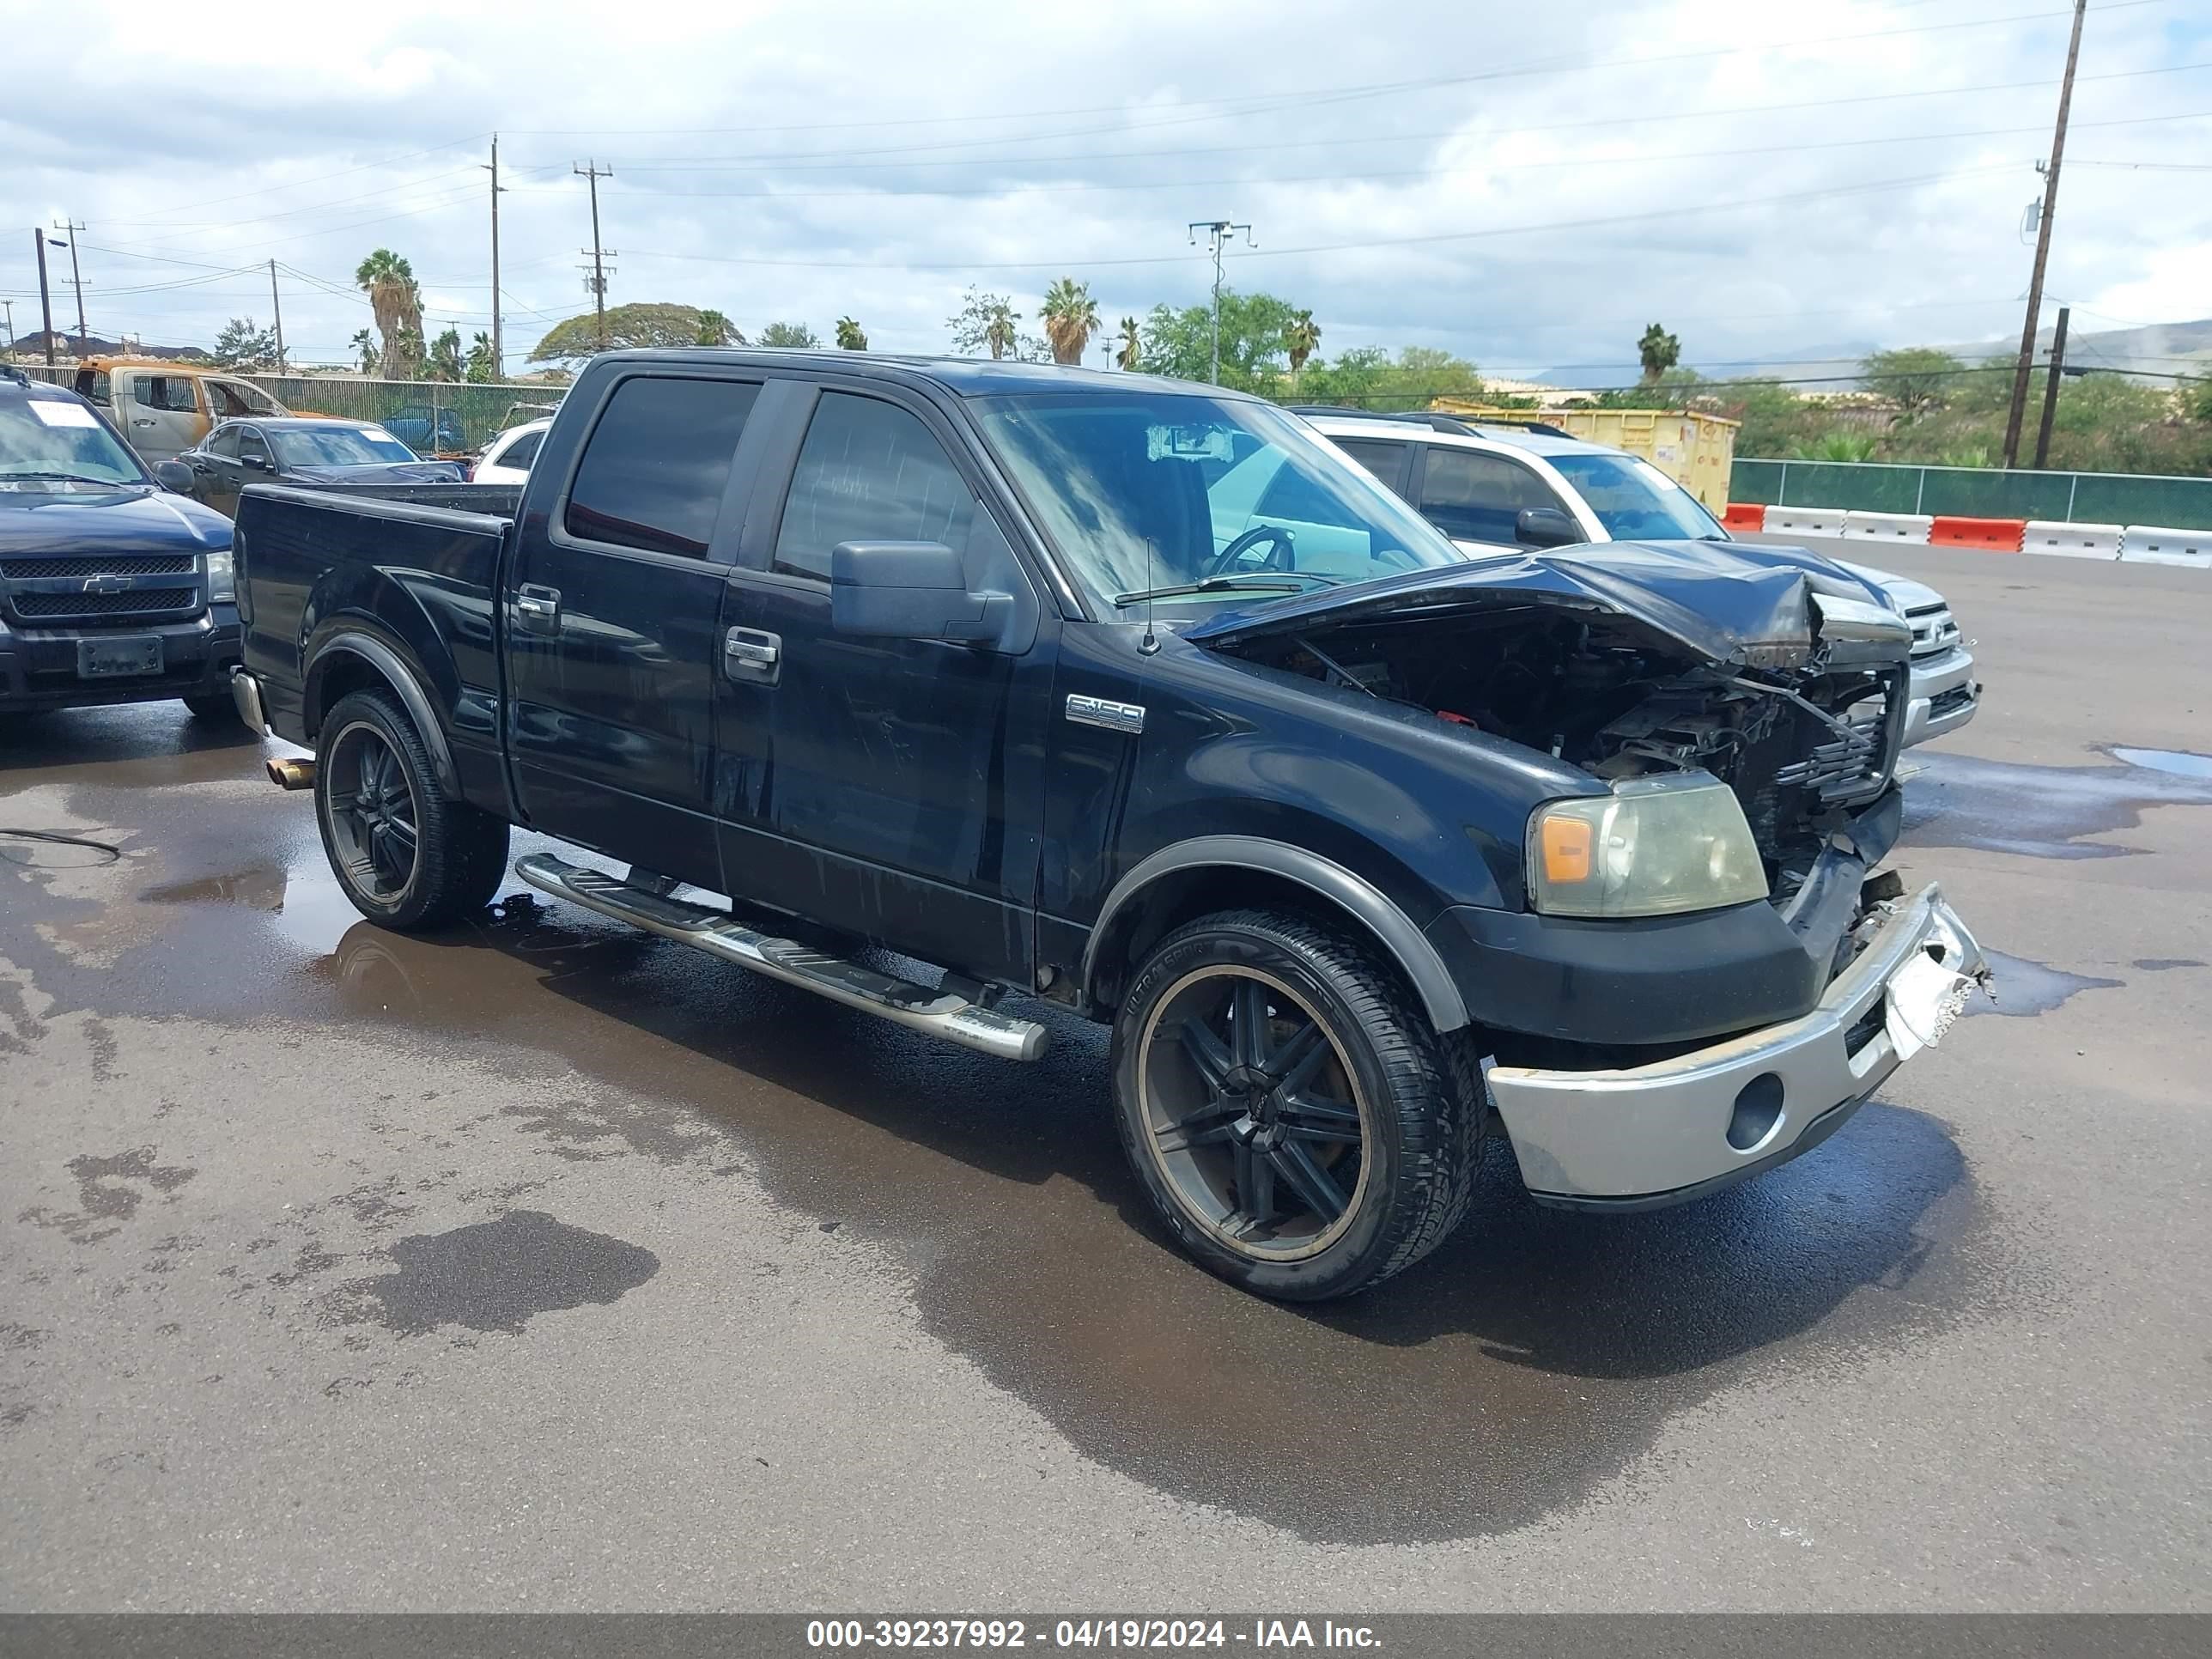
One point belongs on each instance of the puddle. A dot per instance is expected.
(498, 1274)
(2177, 763)
(2045, 812)
(2025, 989)
(2163, 964)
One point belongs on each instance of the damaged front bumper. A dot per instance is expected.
(1663, 1133)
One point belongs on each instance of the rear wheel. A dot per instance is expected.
(1287, 1109)
(214, 706)
(407, 857)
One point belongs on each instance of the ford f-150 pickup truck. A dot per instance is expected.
(1364, 849)
(112, 589)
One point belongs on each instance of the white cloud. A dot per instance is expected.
(874, 159)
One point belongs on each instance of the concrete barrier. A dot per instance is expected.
(1804, 521)
(1886, 526)
(1993, 535)
(2151, 544)
(1744, 515)
(2072, 541)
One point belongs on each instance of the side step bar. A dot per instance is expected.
(940, 1013)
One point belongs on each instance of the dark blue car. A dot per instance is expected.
(111, 588)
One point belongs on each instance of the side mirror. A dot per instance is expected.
(1545, 527)
(174, 476)
(910, 591)
(257, 463)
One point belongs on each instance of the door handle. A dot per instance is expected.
(538, 609)
(142, 423)
(752, 654)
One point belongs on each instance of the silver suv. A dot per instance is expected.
(1506, 489)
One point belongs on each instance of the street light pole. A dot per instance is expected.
(76, 280)
(1218, 233)
(2021, 370)
(45, 296)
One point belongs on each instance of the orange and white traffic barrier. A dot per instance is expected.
(1992, 535)
(1910, 527)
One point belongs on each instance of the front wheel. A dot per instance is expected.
(408, 857)
(1287, 1109)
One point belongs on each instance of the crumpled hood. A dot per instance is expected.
(1734, 603)
(381, 472)
(129, 519)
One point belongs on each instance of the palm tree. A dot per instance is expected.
(364, 346)
(999, 330)
(1127, 358)
(716, 330)
(445, 362)
(1301, 339)
(849, 337)
(1071, 318)
(480, 366)
(394, 296)
(1660, 351)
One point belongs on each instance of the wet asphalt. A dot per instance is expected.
(545, 1265)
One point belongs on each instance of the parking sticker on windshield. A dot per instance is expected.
(54, 412)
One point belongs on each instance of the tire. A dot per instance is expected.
(1227, 1141)
(408, 857)
(215, 706)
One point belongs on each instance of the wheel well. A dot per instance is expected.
(1182, 895)
(345, 674)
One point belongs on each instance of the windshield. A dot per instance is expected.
(1635, 501)
(338, 446)
(1213, 487)
(46, 442)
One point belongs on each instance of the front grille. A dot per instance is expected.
(132, 602)
(129, 564)
(1933, 631)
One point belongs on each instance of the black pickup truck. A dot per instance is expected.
(111, 588)
(1364, 849)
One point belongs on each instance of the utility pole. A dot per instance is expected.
(276, 306)
(77, 280)
(2026, 363)
(2050, 389)
(1218, 232)
(46, 296)
(592, 173)
(498, 344)
(8, 305)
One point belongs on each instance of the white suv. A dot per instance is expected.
(1504, 489)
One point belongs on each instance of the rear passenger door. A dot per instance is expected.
(892, 788)
(610, 611)
(1472, 495)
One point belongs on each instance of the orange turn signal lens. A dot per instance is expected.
(1566, 850)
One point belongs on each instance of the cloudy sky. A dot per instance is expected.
(1528, 186)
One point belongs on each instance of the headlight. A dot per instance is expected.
(222, 577)
(1655, 847)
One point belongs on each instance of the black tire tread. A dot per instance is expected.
(463, 850)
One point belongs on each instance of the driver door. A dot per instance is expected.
(165, 416)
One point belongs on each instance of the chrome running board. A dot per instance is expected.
(940, 1013)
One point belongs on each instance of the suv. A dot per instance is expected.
(112, 590)
(1495, 488)
(1360, 847)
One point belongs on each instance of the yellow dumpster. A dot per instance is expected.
(1694, 450)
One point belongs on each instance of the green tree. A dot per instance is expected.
(397, 301)
(1368, 377)
(1131, 345)
(445, 363)
(1071, 318)
(1660, 351)
(789, 336)
(1915, 378)
(985, 322)
(716, 330)
(242, 345)
(481, 364)
(1178, 342)
(850, 336)
(1301, 339)
(2198, 397)
(574, 339)
(364, 349)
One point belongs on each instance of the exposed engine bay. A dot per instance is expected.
(1802, 746)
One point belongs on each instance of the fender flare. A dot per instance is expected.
(1432, 982)
(358, 642)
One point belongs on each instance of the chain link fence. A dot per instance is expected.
(1977, 492)
(430, 418)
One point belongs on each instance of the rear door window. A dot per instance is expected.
(1473, 496)
(224, 443)
(1386, 460)
(869, 471)
(522, 451)
(655, 466)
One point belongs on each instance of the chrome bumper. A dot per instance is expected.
(1666, 1132)
(245, 697)
(1939, 680)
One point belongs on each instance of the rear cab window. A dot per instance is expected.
(654, 470)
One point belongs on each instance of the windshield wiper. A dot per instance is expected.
(68, 478)
(1278, 582)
